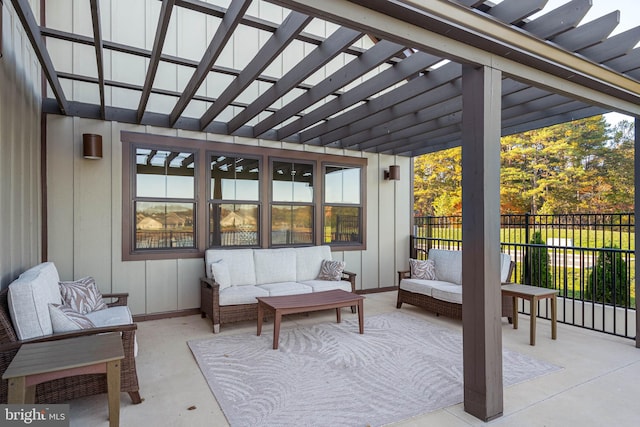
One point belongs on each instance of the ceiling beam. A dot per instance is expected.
(97, 37)
(311, 63)
(224, 32)
(23, 10)
(373, 57)
(415, 63)
(279, 40)
(161, 34)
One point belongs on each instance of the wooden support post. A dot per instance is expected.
(481, 305)
(636, 202)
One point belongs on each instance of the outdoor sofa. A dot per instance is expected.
(235, 277)
(28, 314)
(443, 294)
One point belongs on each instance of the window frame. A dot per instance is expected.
(203, 149)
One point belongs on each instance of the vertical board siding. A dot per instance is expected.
(20, 194)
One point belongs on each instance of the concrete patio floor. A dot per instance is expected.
(597, 387)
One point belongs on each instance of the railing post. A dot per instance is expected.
(429, 231)
(527, 255)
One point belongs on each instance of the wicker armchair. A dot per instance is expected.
(64, 389)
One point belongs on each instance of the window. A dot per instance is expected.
(181, 196)
(164, 199)
(342, 205)
(292, 203)
(234, 208)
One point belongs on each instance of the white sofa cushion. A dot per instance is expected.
(327, 285)
(448, 265)
(274, 265)
(240, 263)
(286, 288)
(418, 286)
(505, 265)
(308, 261)
(446, 291)
(114, 316)
(29, 297)
(220, 272)
(241, 295)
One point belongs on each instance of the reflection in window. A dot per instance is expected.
(235, 178)
(164, 225)
(291, 225)
(164, 199)
(164, 173)
(292, 182)
(342, 185)
(342, 224)
(233, 224)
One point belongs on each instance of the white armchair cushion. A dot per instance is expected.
(505, 265)
(29, 297)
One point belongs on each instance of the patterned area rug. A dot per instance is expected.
(329, 375)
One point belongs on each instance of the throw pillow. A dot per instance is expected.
(82, 295)
(331, 270)
(64, 319)
(423, 269)
(220, 272)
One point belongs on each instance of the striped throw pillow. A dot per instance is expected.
(331, 270)
(82, 295)
(425, 270)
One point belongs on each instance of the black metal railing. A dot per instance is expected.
(588, 258)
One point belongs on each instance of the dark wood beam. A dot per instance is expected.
(23, 10)
(373, 57)
(613, 47)
(415, 63)
(224, 32)
(319, 57)
(279, 40)
(156, 53)
(624, 64)
(558, 20)
(513, 11)
(97, 37)
(588, 34)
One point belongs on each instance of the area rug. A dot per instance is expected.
(329, 375)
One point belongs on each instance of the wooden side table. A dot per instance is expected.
(533, 294)
(45, 361)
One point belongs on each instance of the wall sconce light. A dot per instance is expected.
(91, 146)
(393, 173)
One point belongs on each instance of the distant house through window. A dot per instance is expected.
(182, 196)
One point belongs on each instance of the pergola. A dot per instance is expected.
(448, 74)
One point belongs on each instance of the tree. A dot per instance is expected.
(538, 263)
(438, 183)
(608, 282)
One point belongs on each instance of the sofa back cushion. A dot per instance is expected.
(448, 265)
(29, 297)
(275, 265)
(239, 263)
(309, 260)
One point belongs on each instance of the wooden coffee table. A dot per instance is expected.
(304, 303)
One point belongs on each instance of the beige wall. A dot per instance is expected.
(20, 196)
(85, 217)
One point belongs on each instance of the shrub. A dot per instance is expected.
(538, 264)
(607, 282)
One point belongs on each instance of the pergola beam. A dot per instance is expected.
(279, 40)
(97, 36)
(156, 53)
(23, 10)
(224, 32)
(319, 57)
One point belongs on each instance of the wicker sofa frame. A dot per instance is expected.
(65, 389)
(210, 303)
(446, 308)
